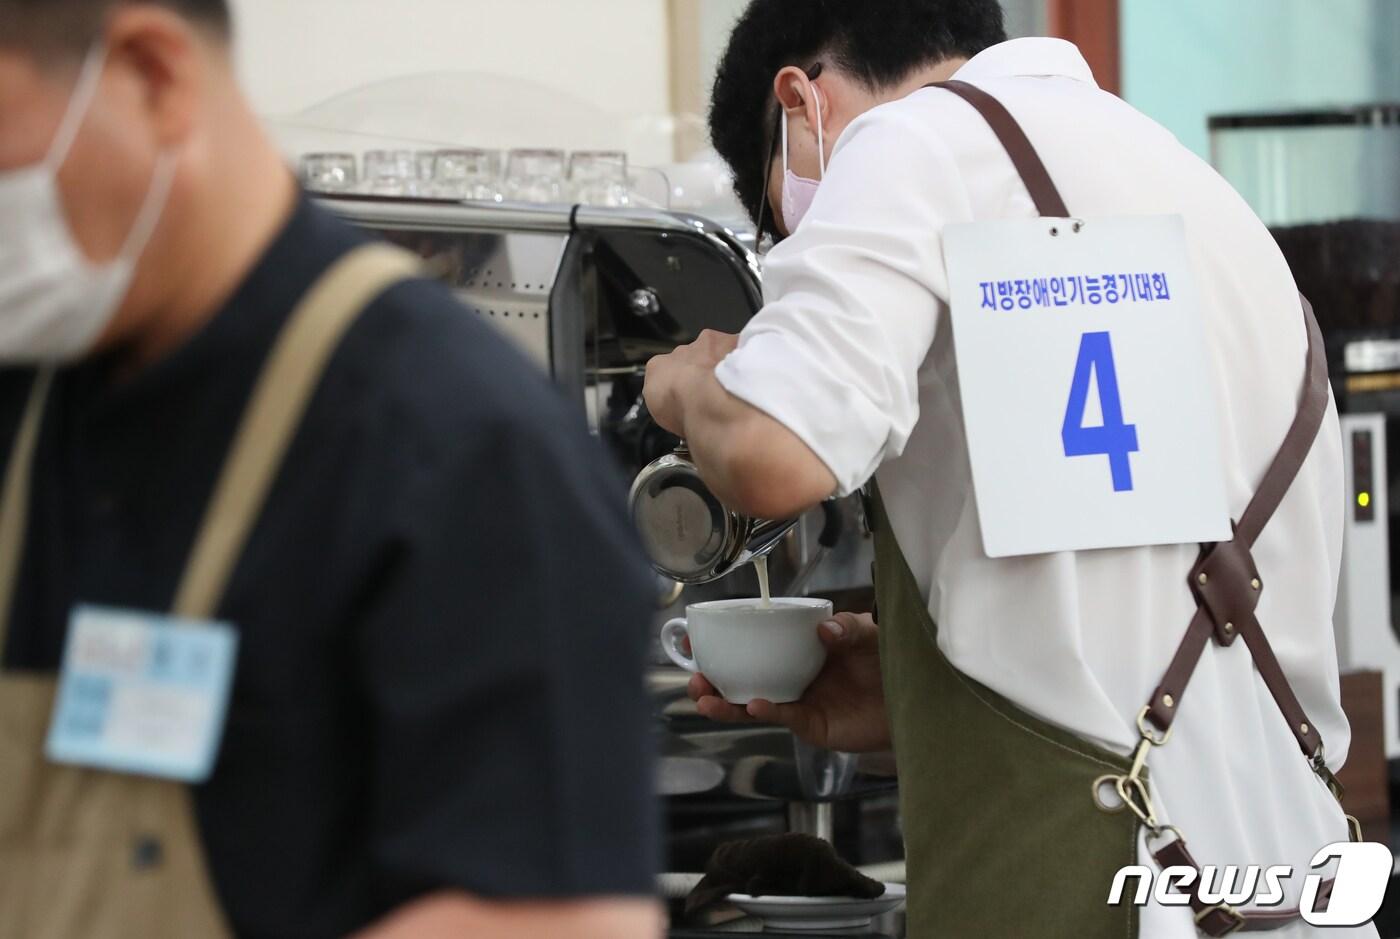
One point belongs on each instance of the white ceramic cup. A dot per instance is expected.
(747, 651)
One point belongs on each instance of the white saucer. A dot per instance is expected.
(818, 912)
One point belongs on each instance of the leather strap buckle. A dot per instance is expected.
(1226, 584)
(1220, 920)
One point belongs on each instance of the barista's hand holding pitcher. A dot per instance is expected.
(668, 374)
(751, 462)
(843, 709)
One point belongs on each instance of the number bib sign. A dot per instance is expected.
(1086, 387)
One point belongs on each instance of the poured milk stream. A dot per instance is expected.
(760, 564)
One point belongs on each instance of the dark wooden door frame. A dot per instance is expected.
(1092, 25)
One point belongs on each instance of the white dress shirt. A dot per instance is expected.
(853, 353)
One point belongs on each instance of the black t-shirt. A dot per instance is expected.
(442, 609)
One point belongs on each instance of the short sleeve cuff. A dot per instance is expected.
(841, 426)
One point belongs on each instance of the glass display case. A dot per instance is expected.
(1327, 182)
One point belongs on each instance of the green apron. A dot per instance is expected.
(1007, 829)
(1001, 836)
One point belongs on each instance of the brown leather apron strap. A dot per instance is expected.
(1221, 919)
(1227, 585)
(1166, 699)
(1299, 440)
(1018, 146)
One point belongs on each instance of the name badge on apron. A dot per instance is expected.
(142, 693)
(1086, 387)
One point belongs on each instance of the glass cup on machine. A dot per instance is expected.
(599, 177)
(330, 172)
(391, 172)
(468, 174)
(425, 170)
(535, 176)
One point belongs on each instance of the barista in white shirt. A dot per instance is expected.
(1032, 682)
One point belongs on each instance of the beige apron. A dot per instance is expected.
(87, 854)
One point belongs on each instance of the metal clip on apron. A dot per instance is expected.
(98, 855)
(1224, 581)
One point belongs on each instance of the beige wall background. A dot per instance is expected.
(576, 74)
(522, 72)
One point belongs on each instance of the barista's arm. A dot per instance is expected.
(451, 915)
(825, 385)
(750, 461)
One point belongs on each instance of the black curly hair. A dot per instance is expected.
(878, 42)
(58, 26)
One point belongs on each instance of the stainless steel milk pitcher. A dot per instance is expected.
(691, 536)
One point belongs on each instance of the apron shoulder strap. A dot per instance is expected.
(289, 378)
(1313, 404)
(1297, 444)
(1018, 146)
(14, 509)
(1226, 583)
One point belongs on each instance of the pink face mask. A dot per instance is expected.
(799, 191)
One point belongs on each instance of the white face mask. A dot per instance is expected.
(54, 302)
(799, 191)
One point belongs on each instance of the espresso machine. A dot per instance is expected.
(591, 294)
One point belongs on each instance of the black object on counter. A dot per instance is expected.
(790, 865)
(1349, 269)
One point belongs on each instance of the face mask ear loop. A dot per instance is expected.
(83, 94)
(151, 209)
(784, 121)
(821, 144)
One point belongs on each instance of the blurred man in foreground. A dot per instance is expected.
(301, 568)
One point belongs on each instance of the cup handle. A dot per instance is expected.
(671, 635)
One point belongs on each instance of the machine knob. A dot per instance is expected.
(645, 302)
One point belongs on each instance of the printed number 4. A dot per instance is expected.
(1114, 438)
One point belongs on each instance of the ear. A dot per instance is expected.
(167, 58)
(793, 89)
